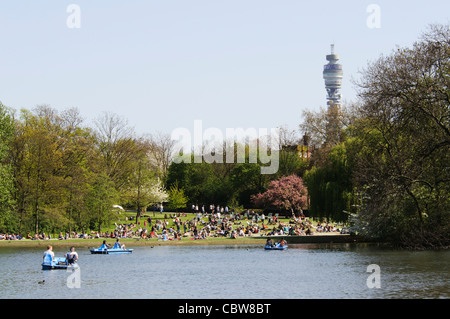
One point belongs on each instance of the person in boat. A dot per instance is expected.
(49, 252)
(118, 245)
(104, 245)
(72, 256)
(269, 242)
(283, 243)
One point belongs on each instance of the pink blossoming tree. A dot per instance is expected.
(287, 193)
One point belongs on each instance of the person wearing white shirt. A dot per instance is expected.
(72, 256)
(50, 252)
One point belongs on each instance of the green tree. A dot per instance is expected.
(198, 180)
(80, 160)
(141, 178)
(7, 215)
(404, 152)
(53, 159)
(246, 180)
(38, 165)
(177, 199)
(330, 187)
(100, 199)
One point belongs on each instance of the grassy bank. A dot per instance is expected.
(133, 242)
(130, 242)
(128, 218)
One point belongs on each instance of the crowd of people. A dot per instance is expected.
(7, 236)
(224, 223)
(202, 224)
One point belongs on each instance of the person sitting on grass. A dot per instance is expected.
(163, 236)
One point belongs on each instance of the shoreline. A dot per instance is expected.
(252, 240)
(94, 243)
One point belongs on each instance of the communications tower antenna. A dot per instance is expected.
(333, 75)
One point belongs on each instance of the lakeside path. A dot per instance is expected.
(130, 242)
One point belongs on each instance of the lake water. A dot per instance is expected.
(231, 272)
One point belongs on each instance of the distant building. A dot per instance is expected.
(303, 150)
(333, 75)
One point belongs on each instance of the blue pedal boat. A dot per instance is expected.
(275, 247)
(56, 263)
(108, 251)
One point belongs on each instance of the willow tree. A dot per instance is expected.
(330, 187)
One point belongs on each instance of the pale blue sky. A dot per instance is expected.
(163, 64)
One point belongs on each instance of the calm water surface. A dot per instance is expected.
(219, 272)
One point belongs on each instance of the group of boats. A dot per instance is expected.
(63, 263)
